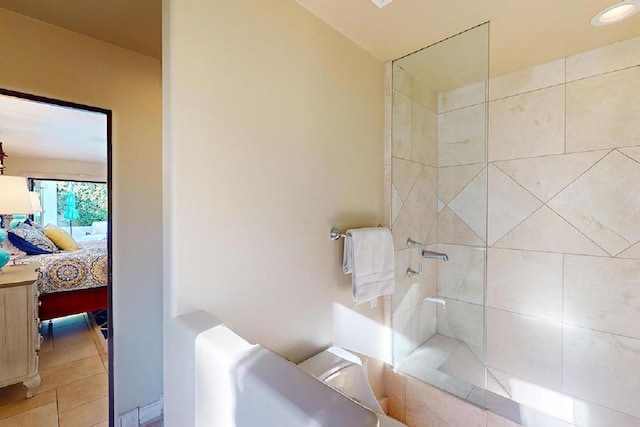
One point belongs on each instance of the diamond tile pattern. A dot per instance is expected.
(604, 204)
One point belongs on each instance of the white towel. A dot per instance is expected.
(368, 256)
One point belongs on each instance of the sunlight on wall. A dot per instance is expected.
(355, 332)
(543, 399)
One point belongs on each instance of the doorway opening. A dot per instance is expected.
(63, 151)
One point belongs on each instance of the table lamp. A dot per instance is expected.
(14, 199)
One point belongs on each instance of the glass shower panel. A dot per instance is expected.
(439, 199)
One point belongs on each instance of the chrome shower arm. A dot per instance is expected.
(438, 255)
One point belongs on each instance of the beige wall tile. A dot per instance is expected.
(531, 395)
(427, 406)
(422, 205)
(585, 413)
(402, 261)
(604, 59)
(527, 125)
(394, 383)
(462, 277)
(463, 321)
(424, 136)
(396, 203)
(403, 229)
(452, 230)
(545, 176)
(403, 296)
(527, 80)
(424, 285)
(633, 152)
(452, 179)
(527, 347)
(545, 231)
(404, 175)
(602, 294)
(424, 323)
(422, 93)
(603, 203)
(42, 416)
(508, 204)
(82, 391)
(602, 111)
(632, 252)
(602, 368)
(401, 126)
(88, 414)
(462, 136)
(470, 204)
(402, 80)
(494, 420)
(402, 336)
(473, 94)
(525, 282)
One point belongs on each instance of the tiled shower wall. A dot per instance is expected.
(563, 257)
(562, 231)
(414, 205)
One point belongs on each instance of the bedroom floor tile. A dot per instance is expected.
(24, 405)
(86, 415)
(67, 354)
(42, 416)
(70, 372)
(82, 391)
(72, 393)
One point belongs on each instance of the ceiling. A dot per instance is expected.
(35, 129)
(523, 32)
(132, 24)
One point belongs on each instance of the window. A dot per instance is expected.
(72, 205)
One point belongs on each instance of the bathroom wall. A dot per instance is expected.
(414, 177)
(273, 134)
(563, 262)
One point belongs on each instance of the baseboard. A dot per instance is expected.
(139, 416)
(129, 419)
(150, 412)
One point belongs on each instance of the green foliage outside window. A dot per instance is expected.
(91, 202)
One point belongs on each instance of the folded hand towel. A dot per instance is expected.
(368, 256)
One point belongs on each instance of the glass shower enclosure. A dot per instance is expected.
(439, 207)
(528, 182)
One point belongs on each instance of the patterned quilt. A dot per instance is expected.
(70, 270)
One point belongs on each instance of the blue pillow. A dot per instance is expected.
(31, 240)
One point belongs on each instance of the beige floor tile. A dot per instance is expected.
(71, 353)
(42, 416)
(12, 393)
(86, 415)
(70, 372)
(24, 404)
(82, 391)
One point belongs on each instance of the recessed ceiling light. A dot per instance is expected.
(381, 3)
(615, 13)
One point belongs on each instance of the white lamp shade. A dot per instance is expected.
(35, 201)
(14, 196)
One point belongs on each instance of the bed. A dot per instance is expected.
(72, 282)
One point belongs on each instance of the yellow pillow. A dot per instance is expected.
(61, 238)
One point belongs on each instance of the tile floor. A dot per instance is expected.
(74, 388)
